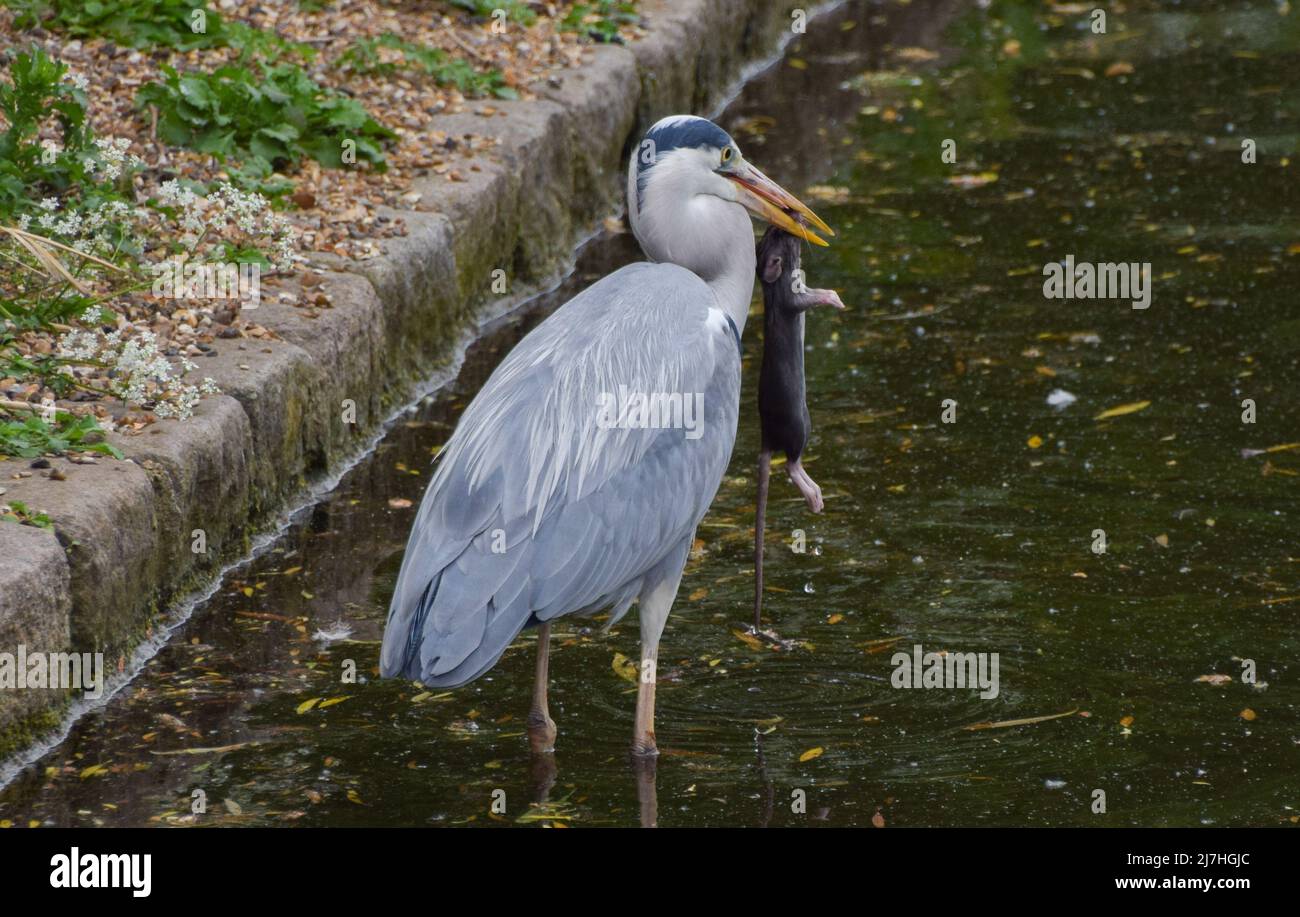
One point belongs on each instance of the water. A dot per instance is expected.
(972, 536)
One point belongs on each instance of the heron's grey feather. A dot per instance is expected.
(580, 514)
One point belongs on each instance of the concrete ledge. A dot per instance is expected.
(122, 544)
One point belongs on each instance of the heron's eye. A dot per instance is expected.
(726, 154)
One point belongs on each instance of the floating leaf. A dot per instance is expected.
(976, 180)
(307, 705)
(748, 639)
(811, 753)
(1247, 714)
(331, 702)
(1027, 721)
(1034, 442)
(624, 668)
(1120, 410)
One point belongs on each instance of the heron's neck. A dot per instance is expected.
(708, 236)
(732, 280)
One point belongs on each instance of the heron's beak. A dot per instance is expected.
(770, 202)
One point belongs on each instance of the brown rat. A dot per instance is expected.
(782, 400)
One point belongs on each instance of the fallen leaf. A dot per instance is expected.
(215, 750)
(1215, 679)
(698, 594)
(1027, 721)
(811, 753)
(1121, 410)
(749, 640)
(233, 807)
(399, 503)
(1119, 68)
(307, 705)
(1034, 442)
(878, 820)
(972, 180)
(624, 668)
(1126, 722)
(1247, 714)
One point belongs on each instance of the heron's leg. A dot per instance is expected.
(812, 494)
(541, 728)
(655, 605)
(764, 473)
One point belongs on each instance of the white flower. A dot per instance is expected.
(140, 374)
(112, 154)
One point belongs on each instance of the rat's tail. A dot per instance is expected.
(764, 472)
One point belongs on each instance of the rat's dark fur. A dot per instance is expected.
(782, 401)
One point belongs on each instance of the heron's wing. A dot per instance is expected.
(539, 505)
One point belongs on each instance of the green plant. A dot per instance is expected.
(32, 436)
(28, 169)
(601, 19)
(15, 511)
(180, 24)
(364, 56)
(56, 201)
(272, 118)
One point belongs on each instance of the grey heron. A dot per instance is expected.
(545, 502)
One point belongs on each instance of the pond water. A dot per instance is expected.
(975, 535)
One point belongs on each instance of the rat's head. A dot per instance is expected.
(777, 259)
(778, 266)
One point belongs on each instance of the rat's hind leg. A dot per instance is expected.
(807, 486)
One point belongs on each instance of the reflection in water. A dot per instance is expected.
(973, 536)
(647, 790)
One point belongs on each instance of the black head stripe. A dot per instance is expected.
(685, 132)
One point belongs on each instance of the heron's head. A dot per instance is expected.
(688, 183)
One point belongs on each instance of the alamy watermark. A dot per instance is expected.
(1106, 280)
(920, 669)
(40, 670)
(103, 870)
(205, 280)
(635, 410)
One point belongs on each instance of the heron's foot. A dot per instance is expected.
(541, 732)
(812, 494)
(644, 746)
